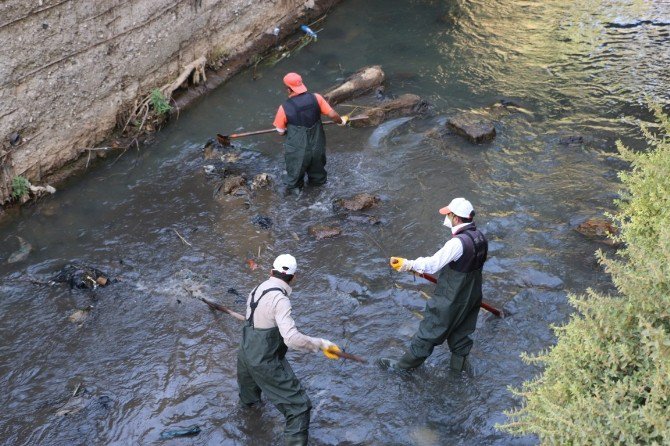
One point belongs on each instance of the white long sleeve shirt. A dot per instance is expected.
(274, 310)
(451, 251)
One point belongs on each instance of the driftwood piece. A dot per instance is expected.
(406, 104)
(363, 81)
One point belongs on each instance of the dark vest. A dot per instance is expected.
(302, 110)
(475, 250)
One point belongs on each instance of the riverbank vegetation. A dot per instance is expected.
(607, 380)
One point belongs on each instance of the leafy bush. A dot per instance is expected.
(607, 380)
(159, 102)
(20, 187)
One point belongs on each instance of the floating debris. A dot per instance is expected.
(81, 277)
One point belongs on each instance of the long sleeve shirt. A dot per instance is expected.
(274, 310)
(451, 251)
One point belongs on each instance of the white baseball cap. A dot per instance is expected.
(459, 206)
(285, 264)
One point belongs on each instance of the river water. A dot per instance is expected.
(148, 357)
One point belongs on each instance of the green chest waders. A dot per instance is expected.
(262, 368)
(450, 315)
(305, 153)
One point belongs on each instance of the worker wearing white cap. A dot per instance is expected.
(451, 315)
(267, 334)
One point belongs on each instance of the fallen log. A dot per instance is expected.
(406, 104)
(363, 81)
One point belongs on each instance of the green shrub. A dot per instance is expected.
(20, 187)
(159, 102)
(607, 380)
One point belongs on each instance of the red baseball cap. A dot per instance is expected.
(294, 82)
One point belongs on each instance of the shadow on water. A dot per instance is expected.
(147, 357)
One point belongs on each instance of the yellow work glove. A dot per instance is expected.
(399, 264)
(329, 349)
(345, 120)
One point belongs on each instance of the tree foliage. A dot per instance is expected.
(607, 380)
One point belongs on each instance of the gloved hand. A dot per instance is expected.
(345, 120)
(329, 349)
(399, 264)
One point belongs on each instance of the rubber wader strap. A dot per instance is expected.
(253, 304)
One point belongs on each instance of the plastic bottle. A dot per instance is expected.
(307, 30)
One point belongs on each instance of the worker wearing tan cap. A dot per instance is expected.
(268, 333)
(451, 315)
(299, 118)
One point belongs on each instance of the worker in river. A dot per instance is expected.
(299, 118)
(268, 333)
(451, 314)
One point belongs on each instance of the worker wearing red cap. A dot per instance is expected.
(451, 315)
(299, 118)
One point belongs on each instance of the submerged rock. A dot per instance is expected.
(323, 231)
(358, 202)
(262, 221)
(363, 81)
(539, 279)
(571, 140)
(598, 229)
(364, 219)
(473, 127)
(80, 315)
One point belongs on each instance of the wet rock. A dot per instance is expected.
(358, 202)
(261, 181)
(212, 150)
(404, 105)
(538, 279)
(22, 253)
(363, 81)
(320, 232)
(233, 185)
(262, 221)
(598, 229)
(81, 277)
(473, 127)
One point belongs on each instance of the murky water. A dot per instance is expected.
(149, 357)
